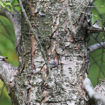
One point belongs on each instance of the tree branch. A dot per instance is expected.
(15, 19)
(7, 72)
(96, 29)
(96, 46)
(98, 93)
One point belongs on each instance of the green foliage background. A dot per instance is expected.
(8, 42)
(97, 58)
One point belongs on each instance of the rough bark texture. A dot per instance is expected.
(62, 29)
(100, 89)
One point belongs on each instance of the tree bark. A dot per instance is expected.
(61, 26)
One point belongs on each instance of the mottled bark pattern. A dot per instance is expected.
(61, 25)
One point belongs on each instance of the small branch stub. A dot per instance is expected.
(7, 72)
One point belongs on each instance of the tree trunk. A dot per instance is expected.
(62, 29)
